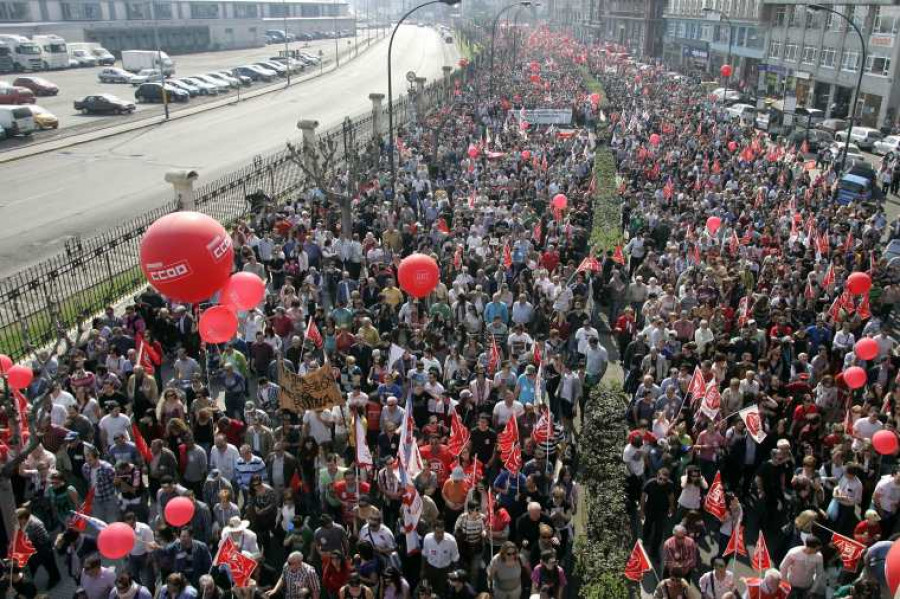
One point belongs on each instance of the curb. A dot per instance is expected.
(106, 132)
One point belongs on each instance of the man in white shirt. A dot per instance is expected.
(803, 568)
(886, 498)
(440, 553)
(506, 409)
(380, 536)
(61, 397)
(865, 428)
(113, 423)
(718, 582)
(139, 559)
(223, 456)
(583, 335)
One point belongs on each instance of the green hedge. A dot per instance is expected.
(603, 550)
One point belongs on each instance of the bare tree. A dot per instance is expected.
(323, 165)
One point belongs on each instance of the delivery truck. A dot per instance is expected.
(53, 51)
(136, 60)
(24, 53)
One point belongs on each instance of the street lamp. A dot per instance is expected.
(862, 66)
(516, 30)
(287, 48)
(162, 72)
(724, 17)
(390, 97)
(493, 35)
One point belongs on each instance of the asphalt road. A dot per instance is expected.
(52, 197)
(75, 84)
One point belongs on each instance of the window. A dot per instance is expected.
(827, 58)
(850, 61)
(162, 11)
(795, 14)
(791, 51)
(878, 65)
(809, 55)
(834, 22)
(859, 16)
(246, 11)
(14, 11)
(885, 24)
(137, 11)
(780, 16)
(203, 10)
(278, 10)
(81, 11)
(775, 49)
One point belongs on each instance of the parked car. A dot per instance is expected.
(808, 117)
(279, 68)
(255, 73)
(888, 145)
(815, 138)
(229, 76)
(292, 63)
(16, 120)
(864, 137)
(832, 125)
(114, 75)
(310, 57)
(222, 80)
(153, 92)
(190, 88)
(12, 94)
(853, 188)
(733, 95)
(220, 86)
(83, 58)
(745, 112)
(38, 85)
(145, 75)
(206, 89)
(43, 118)
(101, 103)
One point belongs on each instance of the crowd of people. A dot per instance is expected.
(141, 412)
(737, 330)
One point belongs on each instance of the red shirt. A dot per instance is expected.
(441, 463)
(234, 432)
(347, 497)
(373, 416)
(282, 325)
(550, 260)
(801, 411)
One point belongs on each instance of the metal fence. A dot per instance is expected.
(38, 303)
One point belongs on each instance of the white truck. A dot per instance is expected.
(53, 50)
(84, 51)
(137, 60)
(24, 53)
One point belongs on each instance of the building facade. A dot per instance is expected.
(697, 41)
(183, 25)
(815, 57)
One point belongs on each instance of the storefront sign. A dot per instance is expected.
(882, 41)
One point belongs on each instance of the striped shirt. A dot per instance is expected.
(303, 578)
(470, 529)
(101, 477)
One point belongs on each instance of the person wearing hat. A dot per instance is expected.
(243, 538)
(459, 587)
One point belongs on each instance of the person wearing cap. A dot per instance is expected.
(459, 587)
(244, 539)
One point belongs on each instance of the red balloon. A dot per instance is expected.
(595, 98)
(418, 275)
(19, 377)
(892, 568)
(243, 291)
(885, 442)
(866, 348)
(655, 139)
(179, 511)
(187, 256)
(712, 224)
(732, 146)
(726, 70)
(5, 363)
(473, 152)
(526, 155)
(116, 540)
(855, 377)
(559, 201)
(218, 324)
(535, 78)
(859, 283)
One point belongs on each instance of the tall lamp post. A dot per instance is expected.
(493, 36)
(162, 72)
(287, 48)
(862, 67)
(722, 16)
(516, 30)
(390, 98)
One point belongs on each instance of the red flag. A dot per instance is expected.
(761, 560)
(442, 226)
(829, 279)
(493, 357)
(459, 434)
(734, 244)
(716, 167)
(313, 334)
(296, 482)
(736, 542)
(863, 310)
(589, 263)
(543, 428)
(714, 503)
(80, 523)
(753, 422)
(457, 258)
(712, 400)
(668, 190)
(835, 310)
(849, 243)
(508, 443)
(849, 549)
(823, 246)
(808, 292)
(743, 312)
(140, 443)
(507, 256)
(242, 567)
(618, 257)
(697, 386)
(784, 589)
(638, 563)
(538, 233)
(513, 460)
(536, 355)
(147, 356)
(475, 472)
(20, 549)
(22, 411)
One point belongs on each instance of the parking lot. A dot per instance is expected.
(75, 84)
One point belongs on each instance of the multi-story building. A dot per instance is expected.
(816, 56)
(183, 25)
(697, 40)
(635, 24)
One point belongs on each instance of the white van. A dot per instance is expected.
(16, 120)
(745, 112)
(864, 137)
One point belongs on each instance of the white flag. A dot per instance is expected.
(752, 420)
(395, 354)
(363, 455)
